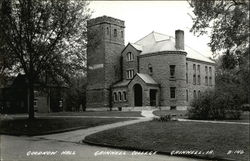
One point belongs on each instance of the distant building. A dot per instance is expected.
(157, 70)
(14, 96)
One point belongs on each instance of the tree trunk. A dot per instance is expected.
(31, 100)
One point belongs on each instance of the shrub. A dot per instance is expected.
(215, 105)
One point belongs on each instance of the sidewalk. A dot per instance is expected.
(79, 135)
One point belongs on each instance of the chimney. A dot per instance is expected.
(179, 39)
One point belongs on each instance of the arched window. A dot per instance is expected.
(107, 30)
(130, 56)
(115, 32)
(150, 69)
(124, 96)
(199, 94)
(115, 96)
(194, 94)
(120, 96)
(187, 95)
(122, 34)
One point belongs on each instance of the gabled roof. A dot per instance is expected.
(122, 83)
(147, 78)
(156, 42)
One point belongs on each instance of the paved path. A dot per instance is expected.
(18, 148)
(15, 148)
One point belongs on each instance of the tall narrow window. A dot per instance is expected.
(206, 70)
(150, 69)
(199, 94)
(186, 67)
(187, 95)
(120, 96)
(210, 71)
(206, 81)
(172, 71)
(210, 81)
(122, 34)
(130, 73)
(124, 96)
(187, 78)
(107, 30)
(172, 92)
(115, 96)
(194, 94)
(194, 79)
(194, 68)
(130, 56)
(199, 80)
(115, 32)
(198, 69)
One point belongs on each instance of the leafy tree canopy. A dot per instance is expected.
(228, 21)
(43, 39)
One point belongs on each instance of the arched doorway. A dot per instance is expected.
(137, 95)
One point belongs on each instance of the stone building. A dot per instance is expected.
(157, 70)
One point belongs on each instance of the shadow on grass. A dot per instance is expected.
(40, 126)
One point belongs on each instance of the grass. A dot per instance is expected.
(38, 126)
(169, 136)
(97, 113)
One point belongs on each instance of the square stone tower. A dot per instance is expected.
(105, 43)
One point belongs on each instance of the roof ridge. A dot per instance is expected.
(196, 51)
(143, 37)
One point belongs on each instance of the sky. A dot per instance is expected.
(143, 17)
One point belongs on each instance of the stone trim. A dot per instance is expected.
(162, 53)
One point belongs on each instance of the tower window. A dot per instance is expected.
(150, 69)
(130, 74)
(130, 56)
(172, 92)
(172, 71)
(122, 34)
(107, 30)
(187, 95)
(115, 32)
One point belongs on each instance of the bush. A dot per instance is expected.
(166, 118)
(215, 105)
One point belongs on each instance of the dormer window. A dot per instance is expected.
(130, 56)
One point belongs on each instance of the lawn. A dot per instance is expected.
(38, 126)
(170, 136)
(96, 113)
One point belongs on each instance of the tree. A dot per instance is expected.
(44, 38)
(228, 23)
